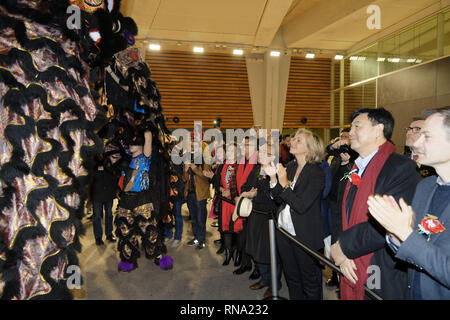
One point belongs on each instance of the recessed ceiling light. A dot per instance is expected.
(198, 49)
(412, 60)
(275, 53)
(353, 58)
(310, 55)
(338, 57)
(418, 61)
(381, 59)
(154, 47)
(238, 52)
(395, 60)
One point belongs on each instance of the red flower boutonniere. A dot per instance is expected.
(430, 225)
(354, 178)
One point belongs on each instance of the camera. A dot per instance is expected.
(345, 148)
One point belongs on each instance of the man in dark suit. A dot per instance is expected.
(426, 248)
(359, 245)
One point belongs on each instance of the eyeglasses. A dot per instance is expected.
(414, 129)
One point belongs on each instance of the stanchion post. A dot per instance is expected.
(273, 261)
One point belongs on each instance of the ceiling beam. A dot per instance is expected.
(318, 17)
(271, 19)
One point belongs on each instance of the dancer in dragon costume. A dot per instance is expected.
(49, 117)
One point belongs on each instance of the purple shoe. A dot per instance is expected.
(166, 263)
(125, 266)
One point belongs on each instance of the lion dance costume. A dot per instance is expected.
(51, 120)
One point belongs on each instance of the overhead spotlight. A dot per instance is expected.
(395, 60)
(310, 55)
(381, 59)
(198, 49)
(412, 60)
(338, 57)
(353, 58)
(238, 52)
(154, 47)
(274, 53)
(178, 43)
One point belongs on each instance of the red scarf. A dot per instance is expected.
(243, 173)
(359, 214)
(228, 208)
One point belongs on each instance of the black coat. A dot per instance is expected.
(305, 202)
(257, 241)
(398, 178)
(104, 185)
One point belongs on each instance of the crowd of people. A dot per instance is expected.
(384, 213)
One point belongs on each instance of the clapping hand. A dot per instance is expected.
(270, 169)
(208, 173)
(397, 220)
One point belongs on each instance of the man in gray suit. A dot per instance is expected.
(425, 246)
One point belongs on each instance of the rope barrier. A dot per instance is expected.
(312, 252)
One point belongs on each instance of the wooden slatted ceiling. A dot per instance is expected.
(202, 87)
(308, 93)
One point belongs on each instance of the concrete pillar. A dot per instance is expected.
(268, 79)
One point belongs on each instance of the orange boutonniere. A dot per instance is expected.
(430, 225)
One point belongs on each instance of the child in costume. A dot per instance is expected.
(137, 213)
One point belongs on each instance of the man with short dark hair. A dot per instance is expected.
(412, 134)
(359, 243)
(427, 247)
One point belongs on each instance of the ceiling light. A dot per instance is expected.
(238, 52)
(395, 60)
(198, 49)
(274, 53)
(361, 58)
(338, 57)
(353, 58)
(418, 61)
(381, 59)
(412, 60)
(310, 55)
(154, 47)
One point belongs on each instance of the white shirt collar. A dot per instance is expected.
(363, 162)
(441, 182)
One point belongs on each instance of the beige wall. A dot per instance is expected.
(407, 93)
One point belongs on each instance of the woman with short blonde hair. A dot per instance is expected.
(298, 188)
(315, 145)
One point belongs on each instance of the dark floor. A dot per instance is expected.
(197, 275)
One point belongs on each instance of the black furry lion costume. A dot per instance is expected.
(50, 117)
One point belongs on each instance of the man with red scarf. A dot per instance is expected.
(359, 241)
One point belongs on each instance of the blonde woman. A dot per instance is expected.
(298, 190)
